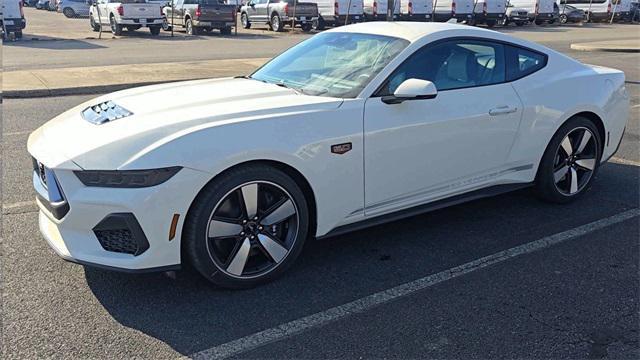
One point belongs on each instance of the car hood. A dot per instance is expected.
(160, 113)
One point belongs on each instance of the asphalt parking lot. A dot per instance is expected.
(504, 277)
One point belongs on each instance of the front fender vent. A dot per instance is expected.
(104, 112)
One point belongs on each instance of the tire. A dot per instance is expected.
(165, 25)
(563, 175)
(154, 30)
(551, 22)
(319, 24)
(116, 29)
(214, 253)
(244, 19)
(276, 23)
(491, 23)
(519, 23)
(95, 27)
(539, 22)
(226, 30)
(68, 12)
(191, 30)
(18, 34)
(306, 27)
(563, 19)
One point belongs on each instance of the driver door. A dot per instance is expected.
(422, 150)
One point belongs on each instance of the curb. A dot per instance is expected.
(605, 48)
(82, 90)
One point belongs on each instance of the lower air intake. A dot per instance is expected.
(121, 233)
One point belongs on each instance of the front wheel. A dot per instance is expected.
(190, 29)
(165, 25)
(563, 19)
(319, 24)
(68, 12)
(116, 28)
(246, 227)
(570, 162)
(244, 19)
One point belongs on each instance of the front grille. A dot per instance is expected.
(120, 241)
(522, 13)
(121, 233)
(105, 112)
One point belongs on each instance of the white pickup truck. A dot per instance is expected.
(126, 14)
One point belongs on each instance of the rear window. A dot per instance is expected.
(522, 62)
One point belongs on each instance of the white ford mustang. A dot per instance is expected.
(353, 127)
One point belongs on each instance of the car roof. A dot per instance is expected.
(412, 31)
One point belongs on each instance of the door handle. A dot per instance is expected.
(502, 110)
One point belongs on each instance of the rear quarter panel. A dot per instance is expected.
(562, 89)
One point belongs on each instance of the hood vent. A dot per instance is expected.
(105, 112)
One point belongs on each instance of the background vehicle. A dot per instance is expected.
(196, 16)
(490, 12)
(634, 13)
(516, 15)
(621, 10)
(279, 13)
(53, 5)
(596, 10)
(461, 10)
(73, 8)
(30, 3)
(13, 21)
(335, 12)
(416, 10)
(570, 14)
(42, 5)
(126, 14)
(378, 9)
(540, 11)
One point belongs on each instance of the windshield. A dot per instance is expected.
(332, 64)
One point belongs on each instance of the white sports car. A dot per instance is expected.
(355, 126)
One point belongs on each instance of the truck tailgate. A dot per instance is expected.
(136, 11)
(217, 13)
(303, 9)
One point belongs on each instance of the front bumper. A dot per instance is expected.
(116, 228)
(482, 17)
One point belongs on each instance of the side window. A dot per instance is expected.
(452, 65)
(523, 62)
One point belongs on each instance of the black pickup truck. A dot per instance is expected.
(196, 16)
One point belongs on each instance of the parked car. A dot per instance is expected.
(74, 8)
(30, 3)
(517, 15)
(279, 13)
(42, 5)
(197, 16)
(12, 19)
(378, 9)
(338, 12)
(461, 10)
(595, 10)
(621, 10)
(570, 14)
(126, 14)
(232, 176)
(490, 12)
(416, 10)
(540, 11)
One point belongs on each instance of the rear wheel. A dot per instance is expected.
(306, 27)
(116, 29)
(226, 30)
(191, 30)
(165, 25)
(94, 26)
(570, 162)
(319, 24)
(563, 19)
(247, 227)
(68, 12)
(276, 23)
(154, 30)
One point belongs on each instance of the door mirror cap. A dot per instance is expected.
(412, 89)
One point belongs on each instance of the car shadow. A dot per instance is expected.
(53, 43)
(191, 315)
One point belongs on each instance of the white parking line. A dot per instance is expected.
(298, 326)
(19, 204)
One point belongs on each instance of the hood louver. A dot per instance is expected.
(105, 112)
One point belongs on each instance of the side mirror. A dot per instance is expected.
(412, 89)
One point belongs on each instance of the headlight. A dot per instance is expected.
(126, 178)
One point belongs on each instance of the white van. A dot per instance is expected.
(12, 20)
(596, 10)
(338, 12)
(461, 10)
(416, 10)
(540, 11)
(490, 12)
(377, 10)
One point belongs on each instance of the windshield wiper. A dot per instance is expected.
(282, 84)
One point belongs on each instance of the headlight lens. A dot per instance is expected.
(126, 178)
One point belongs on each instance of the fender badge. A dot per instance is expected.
(341, 148)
